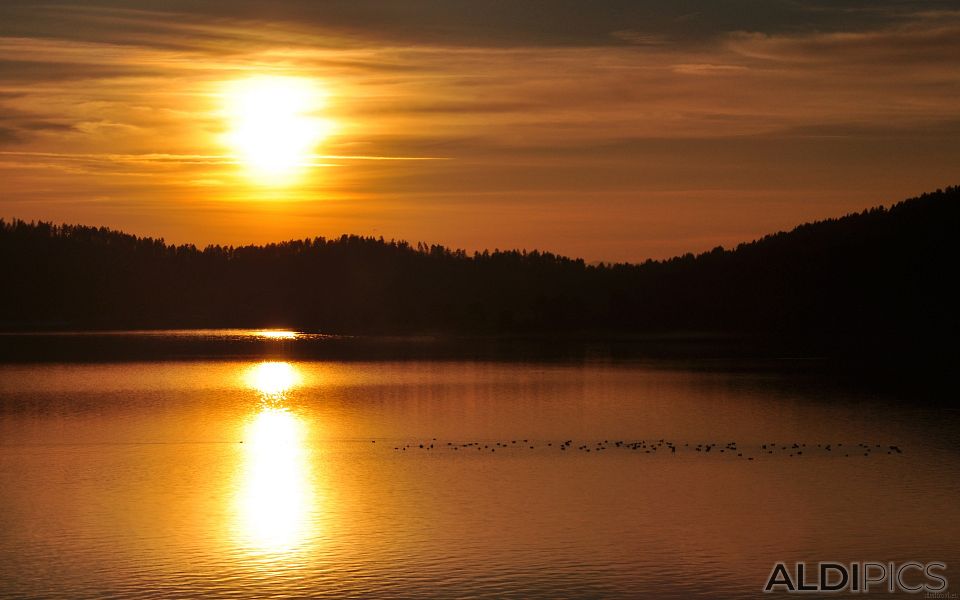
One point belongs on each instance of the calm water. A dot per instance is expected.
(251, 478)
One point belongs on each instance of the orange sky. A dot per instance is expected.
(616, 134)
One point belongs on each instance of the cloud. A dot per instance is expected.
(708, 69)
(536, 107)
(17, 126)
(639, 38)
(920, 41)
(8, 135)
(224, 24)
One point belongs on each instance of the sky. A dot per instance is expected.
(611, 130)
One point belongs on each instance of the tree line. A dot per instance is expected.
(880, 272)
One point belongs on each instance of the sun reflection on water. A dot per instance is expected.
(276, 494)
(275, 334)
(273, 380)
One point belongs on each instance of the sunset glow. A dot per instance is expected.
(662, 130)
(478, 299)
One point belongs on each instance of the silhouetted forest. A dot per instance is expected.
(882, 272)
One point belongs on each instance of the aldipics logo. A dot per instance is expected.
(912, 577)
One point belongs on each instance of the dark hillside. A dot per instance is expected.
(885, 273)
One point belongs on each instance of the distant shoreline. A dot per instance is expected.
(205, 344)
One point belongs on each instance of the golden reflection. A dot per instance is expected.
(276, 494)
(277, 497)
(272, 379)
(276, 334)
(273, 125)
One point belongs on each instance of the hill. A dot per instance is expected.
(882, 274)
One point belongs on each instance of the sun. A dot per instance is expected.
(274, 125)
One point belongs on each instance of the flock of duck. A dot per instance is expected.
(660, 446)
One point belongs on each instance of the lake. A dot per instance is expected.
(595, 476)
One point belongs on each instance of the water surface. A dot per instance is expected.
(299, 478)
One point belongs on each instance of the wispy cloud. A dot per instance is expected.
(613, 122)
